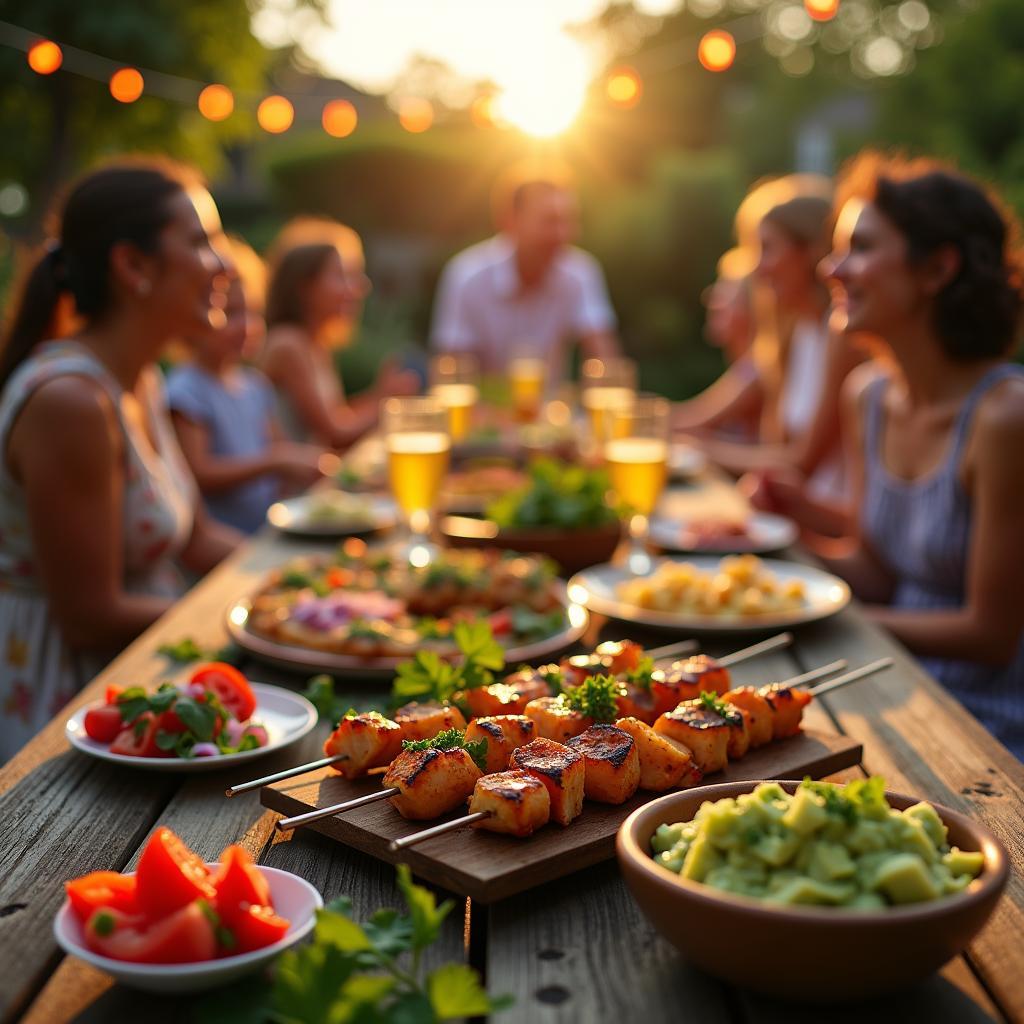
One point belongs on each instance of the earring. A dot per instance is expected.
(143, 287)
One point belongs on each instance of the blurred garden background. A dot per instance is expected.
(397, 116)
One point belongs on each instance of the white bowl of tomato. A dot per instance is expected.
(179, 925)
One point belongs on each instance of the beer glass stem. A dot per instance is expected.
(638, 561)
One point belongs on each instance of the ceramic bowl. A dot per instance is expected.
(814, 954)
(293, 898)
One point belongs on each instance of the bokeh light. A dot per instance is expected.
(216, 102)
(339, 118)
(275, 114)
(126, 85)
(482, 111)
(717, 50)
(624, 87)
(45, 57)
(822, 10)
(415, 114)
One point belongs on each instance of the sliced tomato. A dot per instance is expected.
(113, 692)
(501, 622)
(230, 686)
(104, 723)
(257, 927)
(238, 882)
(170, 875)
(185, 936)
(139, 738)
(102, 889)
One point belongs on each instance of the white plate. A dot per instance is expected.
(292, 656)
(293, 516)
(286, 716)
(293, 897)
(685, 461)
(765, 532)
(826, 595)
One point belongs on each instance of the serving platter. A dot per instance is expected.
(298, 516)
(488, 867)
(764, 532)
(292, 657)
(286, 716)
(826, 595)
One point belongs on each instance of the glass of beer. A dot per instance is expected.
(636, 454)
(606, 384)
(527, 377)
(418, 444)
(455, 383)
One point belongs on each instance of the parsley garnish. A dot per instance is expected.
(452, 739)
(641, 675)
(531, 625)
(711, 702)
(428, 677)
(595, 697)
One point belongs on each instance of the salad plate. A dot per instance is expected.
(285, 715)
(333, 513)
(758, 533)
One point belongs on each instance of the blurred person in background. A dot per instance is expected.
(96, 501)
(929, 264)
(527, 291)
(224, 412)
(317, 285)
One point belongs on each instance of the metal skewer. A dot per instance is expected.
(671, 650)
(286, 824)
(851, 677)
(438, 830)
(288, 773)
(816, 673)
(771, 644)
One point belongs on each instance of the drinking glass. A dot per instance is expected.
(455, 383)
(606, 384)
(636, 454)
(527, 381)
(418, 444)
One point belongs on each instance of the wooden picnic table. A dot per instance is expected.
(578, 949)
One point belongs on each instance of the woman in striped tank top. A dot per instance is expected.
(925, 261)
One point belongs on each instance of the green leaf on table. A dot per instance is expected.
(427, 916)
(182, 651)
(340, 931)
(455, 991)
(389, 932)
(319, 692)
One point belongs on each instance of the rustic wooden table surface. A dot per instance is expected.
(578, 949)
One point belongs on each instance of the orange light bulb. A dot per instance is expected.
(275, 115)
(415, 114)
(45, 57)
(216, 102)
(717, 50)
(822, 10)
(126, 85)
(339, 118)
(624, 87)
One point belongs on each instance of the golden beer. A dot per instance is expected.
(526, 380)
(460, 401)
(417, 463)
(637, 470)
(599, 401)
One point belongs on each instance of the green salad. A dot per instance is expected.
(840, 846)
(558, 494)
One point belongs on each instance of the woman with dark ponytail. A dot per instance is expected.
(96, 502)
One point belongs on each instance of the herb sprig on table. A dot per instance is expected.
(428, 677)
(369, 973)
(186, 650)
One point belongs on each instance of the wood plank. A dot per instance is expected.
(489, 867)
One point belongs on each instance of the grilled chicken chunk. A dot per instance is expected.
(517, 803)
(503, 733)
(703, 731)
(425, 721)
(431, 782)
(496, 699)
(368, 740)
(759, 713)
(636, 702)
(612, 768)
(561, 770)
(555, 720)
(664, 762)
(787, 704)
(531, 683)
(611, 658)
(687, 680)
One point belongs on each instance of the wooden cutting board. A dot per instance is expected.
(488, 867)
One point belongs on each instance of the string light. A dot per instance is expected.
(822, 10)
(624, 87)
(275, 115)
(717, 50)
(45, 57)
(126, 85)
(415, 114)
(216, 102)
(339, 118)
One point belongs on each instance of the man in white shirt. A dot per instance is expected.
(527, 290)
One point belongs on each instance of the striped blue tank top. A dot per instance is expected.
(921, 530)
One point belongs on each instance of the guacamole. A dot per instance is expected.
(840, 846)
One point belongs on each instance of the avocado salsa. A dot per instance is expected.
(839, 846)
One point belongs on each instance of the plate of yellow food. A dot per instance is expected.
(702, 593)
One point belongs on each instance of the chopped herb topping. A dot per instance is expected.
(452, 739)
(595, 697)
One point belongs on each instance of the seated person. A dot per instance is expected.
(527, 291)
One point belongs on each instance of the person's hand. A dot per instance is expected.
(299, 465)
(393, 380)
(778, 490)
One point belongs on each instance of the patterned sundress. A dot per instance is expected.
(39, 674)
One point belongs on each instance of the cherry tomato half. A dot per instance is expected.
(102, 889)
(103, 724)
(238, 883)
(230, 686)
(257, 927)
(139, 738)
(170, 875)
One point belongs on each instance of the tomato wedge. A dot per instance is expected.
(139, 738)
(257, 927)
(170, 875)
(102, 889)
(185, 936)
(238, 882)
(230, 686)
(113, 692)
(103, 724)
